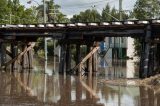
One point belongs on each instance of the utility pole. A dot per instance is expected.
(55, 20)
(120, 49)
(120, 18)
(54, 13)
(45, 50)
(44, 20)
(120, 10)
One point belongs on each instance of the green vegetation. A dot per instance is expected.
(145, 9)
(111, 14)
(87, 16)
(11, 11)
(92, 15)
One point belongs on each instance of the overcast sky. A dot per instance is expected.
(71, 7)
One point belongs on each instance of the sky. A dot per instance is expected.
(71, 7)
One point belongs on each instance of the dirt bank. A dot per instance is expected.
(153, 81)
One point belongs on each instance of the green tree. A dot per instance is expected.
(90, 15)
(114, 13)
(11, 11)
(28, 16)
(144, 9)
(111, 14)
(53, 13)
(3, 11)
(106, 13)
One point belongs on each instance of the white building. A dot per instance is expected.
(126, 45)
(123, 47)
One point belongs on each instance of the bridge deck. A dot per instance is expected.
(82, 30)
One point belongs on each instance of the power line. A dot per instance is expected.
(110, 15)
(87, 4)
(79, 7)
(73, 9)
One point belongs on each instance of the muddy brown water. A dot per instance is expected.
(52, 89)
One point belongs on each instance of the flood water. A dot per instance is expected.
(51, 89)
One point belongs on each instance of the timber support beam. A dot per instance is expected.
(2, 53)
(14, 50)
(146, 46)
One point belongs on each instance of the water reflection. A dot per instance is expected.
(108, 69)
(119, 69)
(52, 89)
(35, 89)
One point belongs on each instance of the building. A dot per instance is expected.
(119, 47)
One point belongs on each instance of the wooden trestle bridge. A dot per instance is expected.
(20, 38)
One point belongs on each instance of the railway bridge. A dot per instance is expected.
(19, 40)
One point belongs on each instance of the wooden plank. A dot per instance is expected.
(30, 59)
(9, 53)
(89, 55)
(25, 87)
(24, 57)
(91, 91)
(19, 56)
(86, 58)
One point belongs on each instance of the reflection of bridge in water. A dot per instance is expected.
(38, 90)
(19, 37)
(30, 89)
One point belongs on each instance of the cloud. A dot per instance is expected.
(71, 7)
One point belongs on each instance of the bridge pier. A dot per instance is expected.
(158, 57)
(144, 65)
(2, 53)
(95, 59)
(141, 59)
(90, 68)
(25, 57)
(62, 64)
(78, 56)
(89, 61)
(92, 61)
(68, 59)
(152, 58)
(14, 51)
(30, 58)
